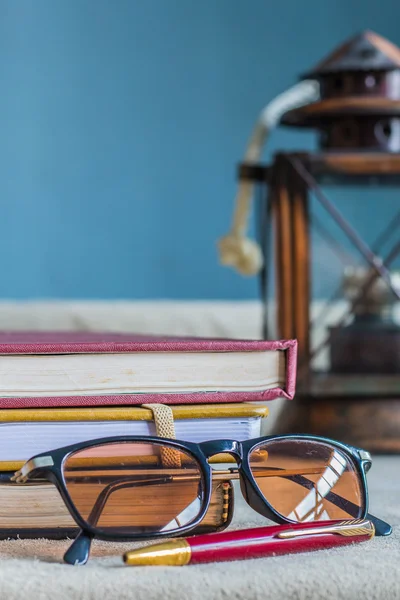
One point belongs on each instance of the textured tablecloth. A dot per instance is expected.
(33, 569)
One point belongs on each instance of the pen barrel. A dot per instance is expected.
(256, 544)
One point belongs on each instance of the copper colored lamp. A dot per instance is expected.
(349, 344)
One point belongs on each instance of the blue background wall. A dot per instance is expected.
(121, 124)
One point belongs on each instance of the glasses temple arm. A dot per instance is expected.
(381, 527)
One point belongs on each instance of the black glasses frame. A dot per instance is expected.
(49, 466)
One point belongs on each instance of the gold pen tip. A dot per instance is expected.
(173, 553)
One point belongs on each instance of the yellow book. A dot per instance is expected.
(35, 509)
(26, 432)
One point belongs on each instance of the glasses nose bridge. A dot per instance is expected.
(231, 447)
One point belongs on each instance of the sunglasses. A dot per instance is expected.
(138, 487)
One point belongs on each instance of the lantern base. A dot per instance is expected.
(372, 424)
(366, 348)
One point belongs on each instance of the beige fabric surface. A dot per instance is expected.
(33, 569)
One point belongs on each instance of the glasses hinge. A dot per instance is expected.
(364, 455)
(22, 475)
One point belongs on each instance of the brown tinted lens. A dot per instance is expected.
(307, 481)
(132, 488)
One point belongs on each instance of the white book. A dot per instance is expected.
(41, 365)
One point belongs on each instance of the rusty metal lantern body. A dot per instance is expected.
(358, 122)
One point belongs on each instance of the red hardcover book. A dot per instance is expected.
(45, 369)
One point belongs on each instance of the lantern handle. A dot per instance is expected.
(236, 249)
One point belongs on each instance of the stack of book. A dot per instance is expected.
(57, 389)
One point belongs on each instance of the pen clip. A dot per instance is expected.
(345, 528)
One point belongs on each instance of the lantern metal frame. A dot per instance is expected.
(285, 188)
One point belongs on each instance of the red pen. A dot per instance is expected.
(253, 543)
